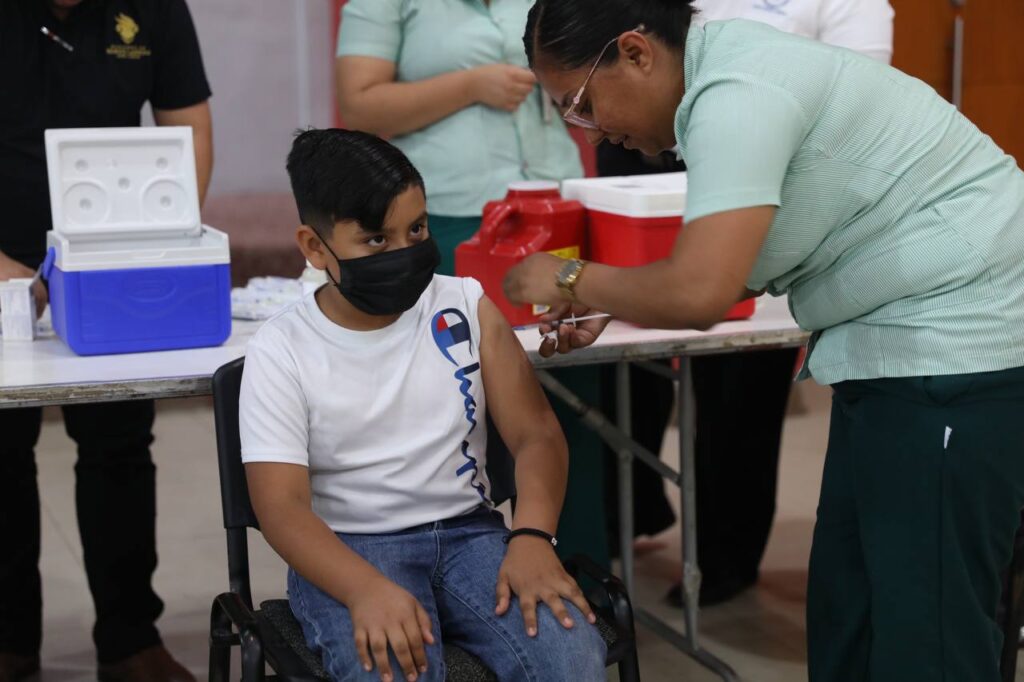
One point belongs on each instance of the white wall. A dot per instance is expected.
(253, 58)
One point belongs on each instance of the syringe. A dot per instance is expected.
(572, 319)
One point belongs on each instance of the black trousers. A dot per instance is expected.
(115, 497)
(741, 405)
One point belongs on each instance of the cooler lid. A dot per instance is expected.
(637, 196)
(209, 247)
(122, 182)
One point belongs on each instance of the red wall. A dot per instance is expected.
(586, 151)
(335, 19)
(588, 154)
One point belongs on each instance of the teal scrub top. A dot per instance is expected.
(899, 235)
(470, 157)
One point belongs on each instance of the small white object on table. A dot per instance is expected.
(17, 309)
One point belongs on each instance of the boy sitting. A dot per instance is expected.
(363, 431)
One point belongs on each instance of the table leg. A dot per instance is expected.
(624, 411)
(688, 522)
(688, 498)
(617, 440)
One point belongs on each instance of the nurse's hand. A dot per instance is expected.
(535, 281)
(570, 337)
(502, 86)
(12, 269)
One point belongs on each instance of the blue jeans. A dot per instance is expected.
(451, 567)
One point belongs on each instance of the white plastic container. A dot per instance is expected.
(17, 310)
(130, 266)
(658, 195)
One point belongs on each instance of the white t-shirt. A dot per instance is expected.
(390, 422)
(864, 26)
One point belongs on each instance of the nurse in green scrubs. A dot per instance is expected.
(896, 228)
(447, 82)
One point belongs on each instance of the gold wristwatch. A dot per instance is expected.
(569, 275)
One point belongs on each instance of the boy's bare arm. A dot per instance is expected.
(528, 426)
(382, 612)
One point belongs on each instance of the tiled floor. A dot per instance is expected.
(760, 633)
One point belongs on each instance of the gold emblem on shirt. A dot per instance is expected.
(128, 30)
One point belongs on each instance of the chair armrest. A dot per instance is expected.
(229, 609)
(232, 606)
(615, 591)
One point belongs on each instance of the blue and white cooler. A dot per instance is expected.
(130, 266)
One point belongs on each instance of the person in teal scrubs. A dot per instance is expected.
(896, 228)
(446, 81)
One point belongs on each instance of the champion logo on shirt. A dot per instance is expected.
(454, 337)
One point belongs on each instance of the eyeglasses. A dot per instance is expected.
(570, 116)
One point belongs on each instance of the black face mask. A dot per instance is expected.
(387, 283)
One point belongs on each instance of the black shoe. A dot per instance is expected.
(712, 592)
(154, 664)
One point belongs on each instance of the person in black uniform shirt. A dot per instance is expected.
(101, 62)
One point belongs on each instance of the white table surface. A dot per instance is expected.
(47, 372)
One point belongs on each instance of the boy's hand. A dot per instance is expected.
(533, 573)
(384, 614)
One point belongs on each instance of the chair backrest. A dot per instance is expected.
(234, 491)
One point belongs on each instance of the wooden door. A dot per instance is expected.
(994, 70)
(992, 58)
(923, 42)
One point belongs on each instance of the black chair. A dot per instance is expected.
(1011, 608)
(271, 636)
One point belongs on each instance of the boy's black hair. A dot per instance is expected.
(341, 175)
(573, 32)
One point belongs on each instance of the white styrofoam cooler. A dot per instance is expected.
(129, 265)
(658, 195)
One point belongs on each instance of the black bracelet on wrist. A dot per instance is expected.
(531, 531)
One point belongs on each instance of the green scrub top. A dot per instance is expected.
(470, 157)
(899, 236)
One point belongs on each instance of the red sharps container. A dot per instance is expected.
(532, 218)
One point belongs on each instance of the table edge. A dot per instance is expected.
(201, 385)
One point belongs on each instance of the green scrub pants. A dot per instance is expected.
(581, 528)
(921, 497)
